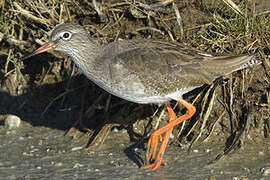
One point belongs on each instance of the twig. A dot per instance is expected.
(13, 41)
(159, 118)
(210, 92)
(214, 125)
(179, 20)
(58, 97)
(234, 7)
(98, 8)
(150, 28)
(155, 5)
(30, 16)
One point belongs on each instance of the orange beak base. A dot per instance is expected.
(44, 48)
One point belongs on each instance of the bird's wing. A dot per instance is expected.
(167, 67)
(159, 65)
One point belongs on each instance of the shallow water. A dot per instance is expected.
(44, 153)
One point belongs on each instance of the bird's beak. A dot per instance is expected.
(44, 48)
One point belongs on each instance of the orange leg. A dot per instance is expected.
(153, 141)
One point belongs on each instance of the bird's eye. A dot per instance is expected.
(66, 35)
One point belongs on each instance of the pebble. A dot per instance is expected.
(208, 150)
(196, 150)
(12, 122)
(76, 148)
(115, 129)
(78, 165)
(265, 171)
(59, 164)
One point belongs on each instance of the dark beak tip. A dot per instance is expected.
(44, 48)
(24, 57)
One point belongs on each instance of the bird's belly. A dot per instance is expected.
(136, 93)
(146, 98)
(140, 99)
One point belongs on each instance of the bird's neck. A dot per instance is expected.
(85, 55)
(86, 58)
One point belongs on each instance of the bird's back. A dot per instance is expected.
(149, 71)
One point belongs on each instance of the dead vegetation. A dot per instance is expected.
(231, 109)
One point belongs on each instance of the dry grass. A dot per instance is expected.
(230, 27)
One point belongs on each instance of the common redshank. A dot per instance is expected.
(145, 72)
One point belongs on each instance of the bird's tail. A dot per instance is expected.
(223, 65)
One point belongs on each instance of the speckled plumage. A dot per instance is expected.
(144, 71)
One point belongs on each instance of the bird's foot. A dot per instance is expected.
(153, 145)
(154, 166)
